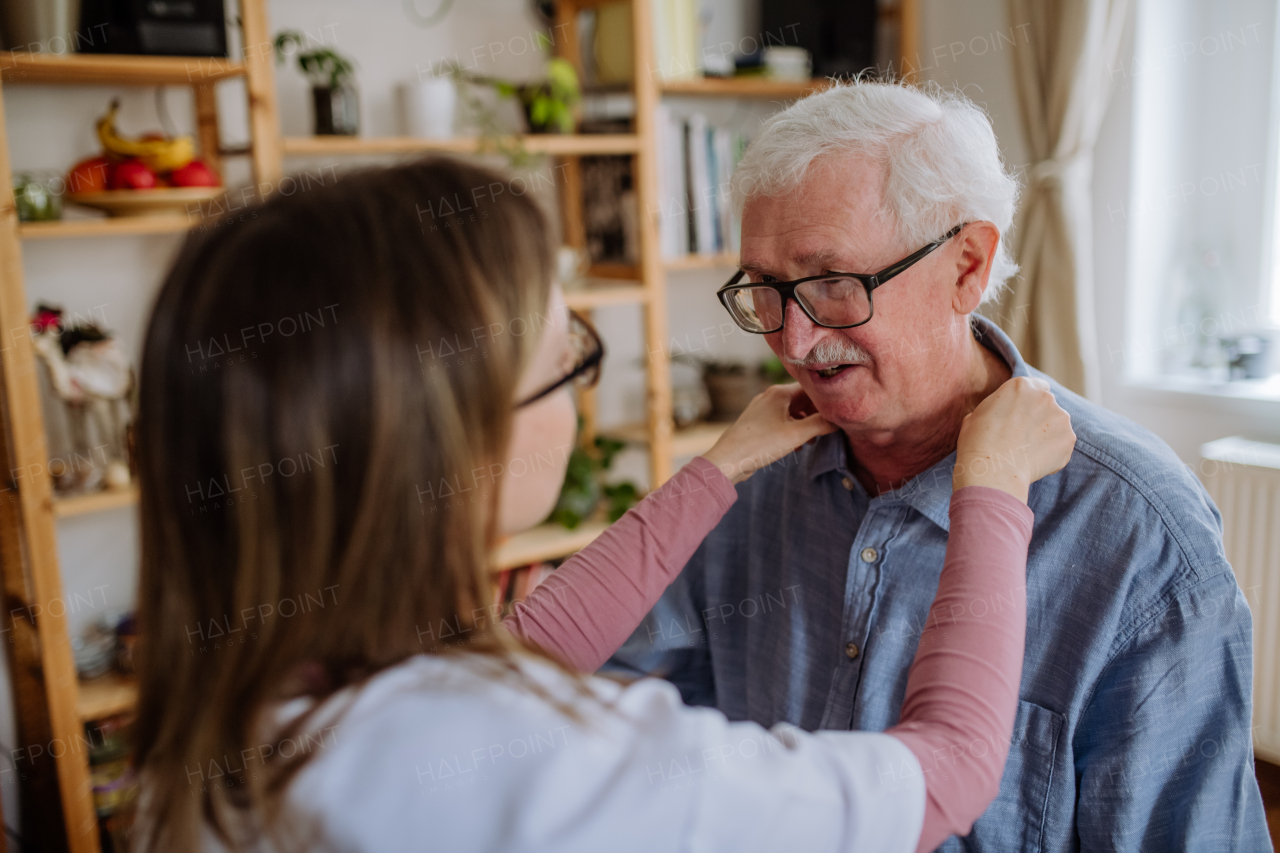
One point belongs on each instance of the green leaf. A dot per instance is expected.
(608, 448)
(539, 112)
(567, 518)
(562, 76)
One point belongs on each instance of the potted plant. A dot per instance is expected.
(333, 92)
(548, 103)
(584, 485)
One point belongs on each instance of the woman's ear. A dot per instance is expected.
(977, 252)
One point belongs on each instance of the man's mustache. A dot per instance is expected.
(833, 351)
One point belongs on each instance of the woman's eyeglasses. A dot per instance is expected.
(585, 353)
(838, 300)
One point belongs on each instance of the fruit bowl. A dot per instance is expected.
(161, 201)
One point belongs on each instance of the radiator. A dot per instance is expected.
(1243, 477)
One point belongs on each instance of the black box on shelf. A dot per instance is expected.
(155, 27)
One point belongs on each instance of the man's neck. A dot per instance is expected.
(883, 461)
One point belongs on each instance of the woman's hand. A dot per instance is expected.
(777, 422)
(1015, 436)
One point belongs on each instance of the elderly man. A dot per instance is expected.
(874, 225)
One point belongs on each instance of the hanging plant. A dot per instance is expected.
(323, 67)
(547, 104)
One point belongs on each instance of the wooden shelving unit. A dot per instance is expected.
(85, 68)
(561, 145)
(598, 295)
(50, 703)
(105, 696)
(689, 441)
(743, 87)
(545, 542)
(95, 502)
(167, 224)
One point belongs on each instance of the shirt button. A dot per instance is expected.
(869, 555)
(847, 483)
(851, 649)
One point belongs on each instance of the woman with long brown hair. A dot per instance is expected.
(345, 399)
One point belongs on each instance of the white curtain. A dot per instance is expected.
(1063, 60)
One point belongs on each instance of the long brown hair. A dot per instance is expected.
(317, 378)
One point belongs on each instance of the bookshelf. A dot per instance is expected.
(50, 703)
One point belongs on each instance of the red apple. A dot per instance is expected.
(89, 176)
(195, 174)
(133, 175)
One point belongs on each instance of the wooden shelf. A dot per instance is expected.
(175, 223)
(725, 261)
(107, 69)
(545, 542)
(106, 696)
(686, 442)
(568, 144)
(599, 295)
(743, 87)
(96, 502)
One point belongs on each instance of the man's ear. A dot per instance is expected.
(976, 253)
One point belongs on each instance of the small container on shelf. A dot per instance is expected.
(38, 196)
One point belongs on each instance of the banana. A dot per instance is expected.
(160, 155)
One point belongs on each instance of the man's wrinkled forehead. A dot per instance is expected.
(832, 220)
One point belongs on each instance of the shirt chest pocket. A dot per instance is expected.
(1037, 764)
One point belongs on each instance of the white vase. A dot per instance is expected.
(427, 107)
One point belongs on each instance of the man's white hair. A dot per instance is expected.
(942, 164)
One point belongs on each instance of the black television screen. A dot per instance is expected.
(840, 35)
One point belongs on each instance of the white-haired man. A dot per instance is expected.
(874, 223)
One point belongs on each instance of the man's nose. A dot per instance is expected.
(799, 333)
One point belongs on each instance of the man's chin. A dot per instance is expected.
(842, 398)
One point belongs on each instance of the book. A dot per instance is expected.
(695, 165)
(675, 39)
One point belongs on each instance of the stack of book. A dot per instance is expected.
(695, 163)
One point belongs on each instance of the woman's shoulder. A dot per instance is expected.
(444, 743)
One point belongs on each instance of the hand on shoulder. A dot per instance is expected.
(1014, 437)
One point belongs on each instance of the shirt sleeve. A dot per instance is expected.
(962, 688)
(588, 607)
(1164, 750)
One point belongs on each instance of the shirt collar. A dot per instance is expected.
(929, 493)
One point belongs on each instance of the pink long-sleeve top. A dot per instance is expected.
(962, 689)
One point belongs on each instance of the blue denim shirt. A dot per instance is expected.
(806, 603)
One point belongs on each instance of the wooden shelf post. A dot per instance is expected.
(49, 702)
(653, 274)
(39, 576)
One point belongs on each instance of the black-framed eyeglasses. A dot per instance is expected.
(834, 300)
(586, 352)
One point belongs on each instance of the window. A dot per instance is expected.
(1203, 301)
